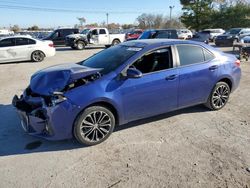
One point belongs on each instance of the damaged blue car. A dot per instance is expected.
(127, 82)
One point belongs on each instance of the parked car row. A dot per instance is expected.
(103, 37)
(231, 36)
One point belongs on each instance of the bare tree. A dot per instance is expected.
(82, 20)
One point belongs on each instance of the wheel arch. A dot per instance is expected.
(108, 105)
(82, 40)
(116, 39)
(228, 81)
(103, 103)
(38, 50)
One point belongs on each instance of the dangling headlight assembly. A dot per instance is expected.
(57, 98)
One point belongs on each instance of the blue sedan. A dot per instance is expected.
(127, 82)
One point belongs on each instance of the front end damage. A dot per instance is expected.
(49, 117)
(43, 109)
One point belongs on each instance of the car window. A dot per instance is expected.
(22, 41)
(102, 31)
(208, 55)
(31, 41)
(165, 34)
(7, 42)
(110, 59)
(94, 32)
(146, 35)
(156, 60)
(190, 54)
(162, 34)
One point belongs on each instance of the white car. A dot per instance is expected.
(21, 48)
(214, 33)
(184, 34)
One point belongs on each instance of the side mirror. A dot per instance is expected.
(133, 73)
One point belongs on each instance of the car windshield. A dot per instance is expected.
(110, 59)
(234, 31)
(85, 31)
(145, 35)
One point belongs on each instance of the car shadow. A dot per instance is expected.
(86, 48)
(14, 141)
(17, 62)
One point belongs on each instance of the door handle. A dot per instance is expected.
(214, 67)
(172, 77)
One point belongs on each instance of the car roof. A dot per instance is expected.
(152, 42)
(162, 29)
(16, 36)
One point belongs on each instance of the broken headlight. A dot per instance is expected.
(57, 98)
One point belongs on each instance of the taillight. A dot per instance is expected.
(237, 63)
(51, 45)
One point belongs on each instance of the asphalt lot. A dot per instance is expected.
(193, 147)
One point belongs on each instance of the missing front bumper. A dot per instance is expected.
(33, 117)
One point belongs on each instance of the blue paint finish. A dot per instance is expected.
(152, 94)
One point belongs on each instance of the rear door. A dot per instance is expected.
(6, 53)
(198, 73)
(24, 47)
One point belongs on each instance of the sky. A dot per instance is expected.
(54, 13)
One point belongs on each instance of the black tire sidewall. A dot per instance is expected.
(82, 115)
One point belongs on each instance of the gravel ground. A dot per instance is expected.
(192, 147)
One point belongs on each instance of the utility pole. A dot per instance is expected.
(171, 7)
(107, 14)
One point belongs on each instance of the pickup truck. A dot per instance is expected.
(92, 37)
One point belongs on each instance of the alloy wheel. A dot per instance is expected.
(37, 56)
(220, 96)
(95, 126)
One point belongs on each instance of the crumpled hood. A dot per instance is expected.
(76, 36)
(55, 78)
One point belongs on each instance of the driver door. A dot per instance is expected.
(94, 37)
(156, 91)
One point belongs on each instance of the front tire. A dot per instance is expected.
(219, 96)
(80, 45)
(94, 125)
(37, 56)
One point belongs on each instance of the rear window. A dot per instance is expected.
(22, 41)
(102, 31)
(146, 35)
(171, 34)
(208, 55)
(191, 54)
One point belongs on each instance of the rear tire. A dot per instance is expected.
(219, 96)
(80, 45)
(115, 42)
(37, 56)
(94, 125)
